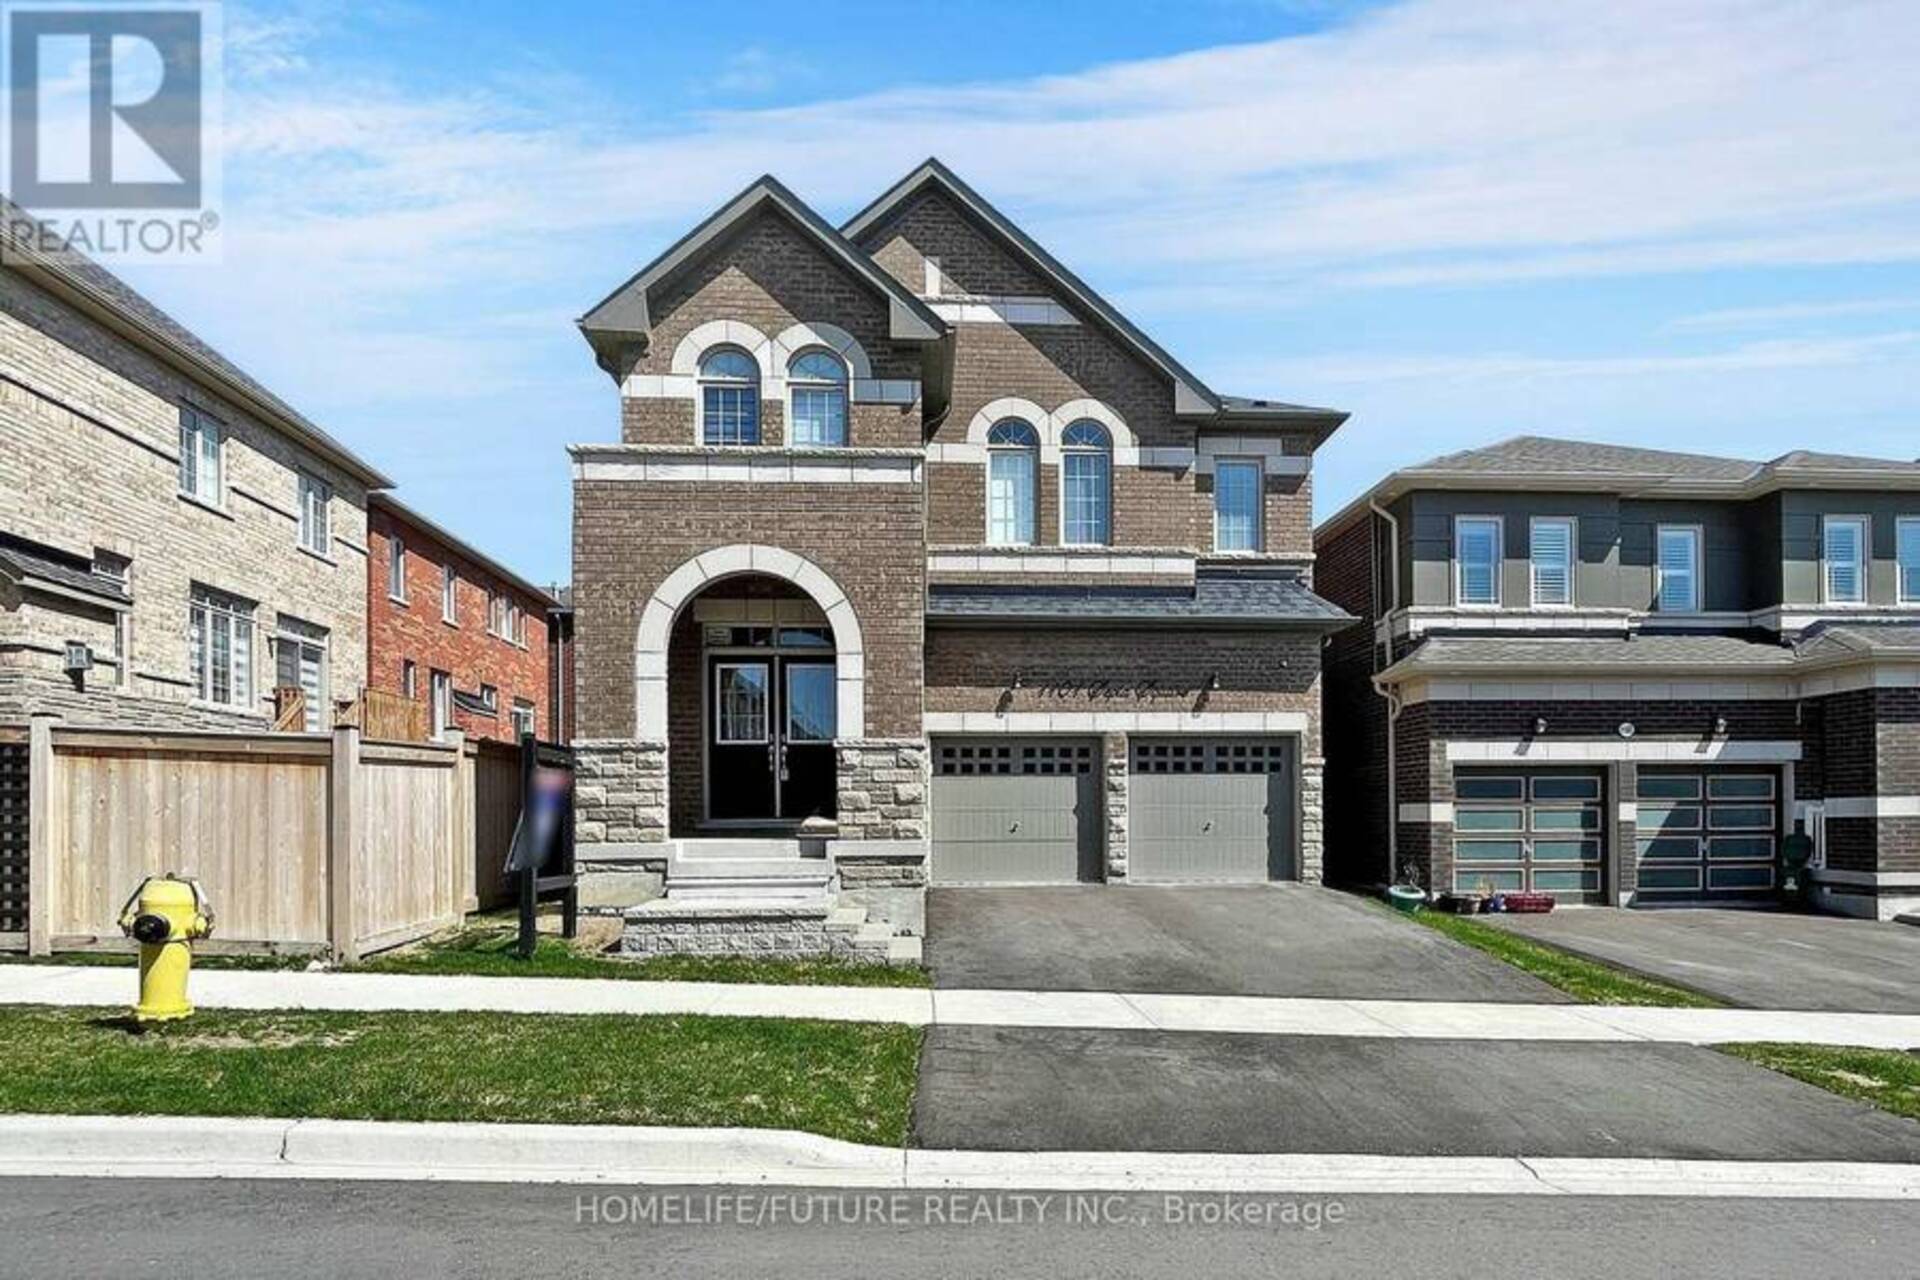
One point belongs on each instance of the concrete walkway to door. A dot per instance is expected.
(1238, 940)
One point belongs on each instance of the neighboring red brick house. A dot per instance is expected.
(450, 627)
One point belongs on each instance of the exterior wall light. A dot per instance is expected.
(1719, 726)
(1539, 725)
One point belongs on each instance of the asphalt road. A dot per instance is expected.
(56, 1228)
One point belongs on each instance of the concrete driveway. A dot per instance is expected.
(1047, 1089)
(1248, 940)
(1757, 959)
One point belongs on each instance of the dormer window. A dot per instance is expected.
(1086, 484)
(817, 399)
(729, 397)
(1013, 455)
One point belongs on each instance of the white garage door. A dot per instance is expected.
(1211, 810)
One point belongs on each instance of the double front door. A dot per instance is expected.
(770, 728)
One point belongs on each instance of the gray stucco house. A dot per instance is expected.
(1622, 675)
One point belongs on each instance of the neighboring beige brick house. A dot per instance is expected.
(175, 540)
(919, 561)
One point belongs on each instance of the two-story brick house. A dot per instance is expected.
(1623, 675)
(915, 543)
(175, 540)
(454, 629)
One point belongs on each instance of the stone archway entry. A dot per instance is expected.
(769, 683)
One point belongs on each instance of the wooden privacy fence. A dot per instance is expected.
(303, 842)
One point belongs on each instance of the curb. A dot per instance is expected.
(186, 1147)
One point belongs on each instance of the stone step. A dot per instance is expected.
(847, 919)
(721, 848)
(723, 891)
(903, 951)
(747, 868)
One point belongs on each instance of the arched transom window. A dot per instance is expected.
(1086, 484)
(729, 397)
(817, 396)
(1013, 462)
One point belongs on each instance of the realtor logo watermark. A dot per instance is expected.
(113, 113)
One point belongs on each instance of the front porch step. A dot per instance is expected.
(723, 849)
(761, 928)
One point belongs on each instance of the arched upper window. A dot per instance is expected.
(1013, 463)
(817, 399)
(1086, 484)
(729, 397)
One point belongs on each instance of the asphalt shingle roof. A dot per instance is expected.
(1524, 455)
(20, 558)
(1283, 601)
(1643, 652)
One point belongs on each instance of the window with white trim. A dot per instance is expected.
(220, 647)
(118, 569)
(409, 679)
(396, 568)
(1477, 556)
(1843, 555)
(300, 662)
(449, 595)
(1550, 545)
(729, 397)
(522, 719)
(1907, 534)
(1237, 487)
(1677, 568)
(817, 399)
(200, 455)
(1013, 465)
(315, 499)
(1086, 485)
(440, 688)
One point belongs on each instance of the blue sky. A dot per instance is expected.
(1681, 223)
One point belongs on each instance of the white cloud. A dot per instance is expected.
(1790, 312)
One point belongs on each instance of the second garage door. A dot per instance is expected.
(1015, 812)
(1211, 810)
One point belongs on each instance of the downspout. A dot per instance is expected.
(1392, 699)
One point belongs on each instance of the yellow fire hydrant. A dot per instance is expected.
(165, 914)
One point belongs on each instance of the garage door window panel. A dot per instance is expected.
(1708, 831)
(1555, 817)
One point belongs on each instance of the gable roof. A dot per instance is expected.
(627, 313)
(1191, 396)
(1552, 465)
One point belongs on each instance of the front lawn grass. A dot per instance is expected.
(1885, 1078)
(844, 1080)
(1585, 980)
(489, 951)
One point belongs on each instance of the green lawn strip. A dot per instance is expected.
(1585, 980)
(491, 952)
(1885, 1078)
(844, 1080)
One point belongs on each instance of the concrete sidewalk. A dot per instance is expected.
(1090, 1010)
(186, 1147)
